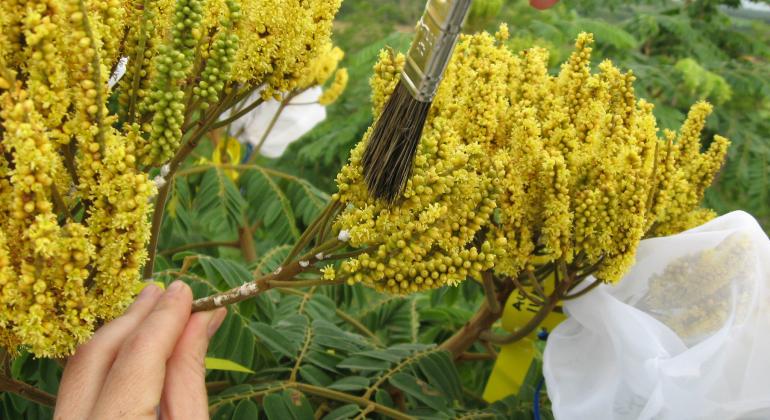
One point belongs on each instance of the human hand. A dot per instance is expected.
(542, 4)
(147, 362)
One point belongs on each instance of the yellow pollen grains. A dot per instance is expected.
(518, 169)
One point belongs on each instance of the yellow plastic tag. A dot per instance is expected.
(514, 359)
(228, 152)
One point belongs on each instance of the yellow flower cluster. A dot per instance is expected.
(321, 69)
(149, 22)
(10, 23)
(73, 205)
(333, 92)
(227, 45)
(279, 40)
(74, 193)
(518, 168)
(697, 293)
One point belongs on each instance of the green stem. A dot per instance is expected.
(232, 167)
(536, 320)
(484, 318)
(270, 126)
(303, 352)
(239, 114)
(173, 165)
(395, 369)
(320, 392)
(208, 244)
(307, 235)
(488, 281)
(27, 391)
(279, 278)
(361, 402)
(344, 316)
(97, 76)
(523, 291)
(584, 291)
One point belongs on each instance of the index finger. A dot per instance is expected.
(133, 387)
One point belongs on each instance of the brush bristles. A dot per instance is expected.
(388, 157)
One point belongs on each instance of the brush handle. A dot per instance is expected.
(432, 46)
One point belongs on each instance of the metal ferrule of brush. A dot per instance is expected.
(432, 47)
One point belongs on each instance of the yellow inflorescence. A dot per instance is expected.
(75, 197)
(333, 92)
(518, 168)
(696, 294)
(279, 40)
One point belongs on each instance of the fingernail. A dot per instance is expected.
(175, 287)
(216, 321)
(148, 290)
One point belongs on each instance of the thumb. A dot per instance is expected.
(184, 388)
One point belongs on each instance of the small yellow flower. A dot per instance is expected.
(329, 273)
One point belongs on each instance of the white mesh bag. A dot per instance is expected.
(684, 335)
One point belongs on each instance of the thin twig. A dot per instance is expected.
(23, 389)
(536, 284)
(536, 320)
(520, 288)
(324, 233)
(395, 369)
(302, 353)
(583, 291)
(481, 321)
(279, 278)
(351, 254)
(356, 324)
(266, 134)
(307, 235)
(246, 243)
(320, 392)
(488, 281)
(207, 244)
(69, 161)
(173, 165)
(238, 115)
(361, 402)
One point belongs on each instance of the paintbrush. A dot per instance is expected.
(388, 157)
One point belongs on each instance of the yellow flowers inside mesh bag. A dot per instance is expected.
(518, 168)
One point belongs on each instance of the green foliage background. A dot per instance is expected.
(316, 350)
